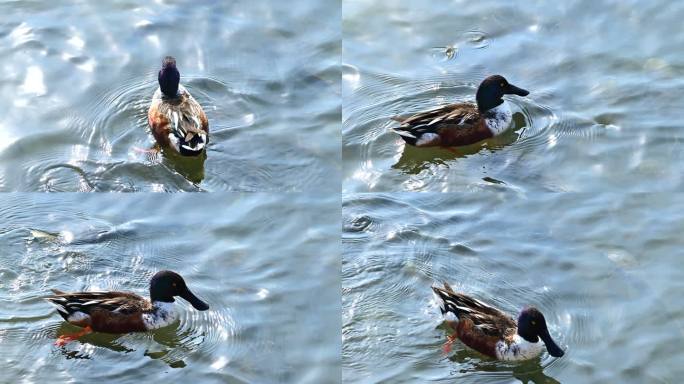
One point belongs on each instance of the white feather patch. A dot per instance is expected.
(62, 310)
(438, 300)
(499, 118)
(405, 133)
(448, 316)
(426, 138)
(175, 119)
(518, 349)
(77, 317)
(163, 315)
(436, 120)
(174, 142)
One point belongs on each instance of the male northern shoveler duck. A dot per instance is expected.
(123, 312)
(176, 119)
(493, 333)
(462, 123)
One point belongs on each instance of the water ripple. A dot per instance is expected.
(375, 158)
(397, 246)
(473, 39)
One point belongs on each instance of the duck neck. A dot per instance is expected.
(162, 314)
(159, 295)
(163, 306)
(486, 106)
(169, 79)
(499, 118)
(487, 99)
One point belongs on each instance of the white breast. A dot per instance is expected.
(518, 349)
(163, 315)
(499, 118)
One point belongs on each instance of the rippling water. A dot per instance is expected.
(602, 114)
(77, 78)
(600, 267)
(253, 264)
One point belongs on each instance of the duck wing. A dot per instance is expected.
(487, 319)
(460, 114)
(68, 304)
(179, 122)
(185, 115)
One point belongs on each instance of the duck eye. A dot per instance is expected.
(533, 322)
(502, 85)
(174, 284)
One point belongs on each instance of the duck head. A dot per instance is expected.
(167, 284)
(169, 77)
(532, 327)
(491, 90)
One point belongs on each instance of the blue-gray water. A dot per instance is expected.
(604, 112)
(77, 77)
(268, 266)
(604, 269)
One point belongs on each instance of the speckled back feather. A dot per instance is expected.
(182, 112)
(452, 124)
(487, 319)
(122, 303)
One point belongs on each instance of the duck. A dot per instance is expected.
(493, 333)
(123, 312)
(176, 119)
(461, 124)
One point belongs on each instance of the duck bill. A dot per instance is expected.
(513, 90)
(551, 346)
(194, 300)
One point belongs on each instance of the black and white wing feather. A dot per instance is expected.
(487, 318)
(68, 304)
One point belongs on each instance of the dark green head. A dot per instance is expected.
(167, 284)
(169, 77)
(532, 327)
(491, 90)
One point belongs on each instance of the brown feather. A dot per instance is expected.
(456, 125)
(111, 312)
(474, 338)
(479, 326)
(160, 117)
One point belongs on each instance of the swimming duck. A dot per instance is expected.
(123, 312)
(176, 119)
(493, 333)
(462, 123)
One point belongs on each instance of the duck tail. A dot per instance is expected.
(448, 300)
(406, 135)
(60, 303)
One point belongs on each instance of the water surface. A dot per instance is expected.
(270, 276)
(604, 269)
(606, 79)
(76, 79)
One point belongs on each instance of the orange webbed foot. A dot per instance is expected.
(65, 339)
(447, 345)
